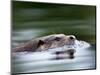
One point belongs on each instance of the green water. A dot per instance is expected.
(52, 18)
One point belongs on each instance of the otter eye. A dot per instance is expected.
(40, 43)
(57, 38)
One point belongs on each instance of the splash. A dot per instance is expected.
(81, 44)
(78, 45)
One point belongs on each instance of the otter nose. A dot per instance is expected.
(72, 37)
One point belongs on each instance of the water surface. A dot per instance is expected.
(24, 62)
(31, 20)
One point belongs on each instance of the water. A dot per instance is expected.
(24, 62)
(32, 20)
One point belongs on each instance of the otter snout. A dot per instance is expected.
(70, 40)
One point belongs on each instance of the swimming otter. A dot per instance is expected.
(45, 43)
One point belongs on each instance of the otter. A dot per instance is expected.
(49, 42)
(45, 43)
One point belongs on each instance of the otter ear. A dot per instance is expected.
(41, 42)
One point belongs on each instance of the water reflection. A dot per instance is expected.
(34, 63)
(24, 62)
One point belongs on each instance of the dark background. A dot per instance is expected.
(78, 20)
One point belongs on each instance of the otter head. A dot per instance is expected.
(56, 40)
